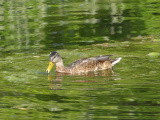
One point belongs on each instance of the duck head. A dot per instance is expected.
(54, 57)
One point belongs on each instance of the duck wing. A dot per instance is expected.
(89, 61)
(101, 58)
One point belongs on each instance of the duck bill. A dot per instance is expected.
(49, 67)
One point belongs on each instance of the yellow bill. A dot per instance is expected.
(49, 67)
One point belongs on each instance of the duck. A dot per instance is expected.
(82, 65)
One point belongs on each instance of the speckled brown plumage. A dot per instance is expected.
(83, 64)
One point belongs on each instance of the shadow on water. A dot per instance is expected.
(55, 80)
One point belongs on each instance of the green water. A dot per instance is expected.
(30, 30)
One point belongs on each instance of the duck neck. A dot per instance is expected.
(60, 66)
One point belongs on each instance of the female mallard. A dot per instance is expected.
(81, 65)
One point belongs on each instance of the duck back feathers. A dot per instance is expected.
(92, 64)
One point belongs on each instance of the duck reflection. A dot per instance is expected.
(56, 80)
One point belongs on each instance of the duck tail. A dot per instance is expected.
(116, 61)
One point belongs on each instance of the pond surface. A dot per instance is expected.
(30, 30)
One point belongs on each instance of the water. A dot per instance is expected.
(30, 30)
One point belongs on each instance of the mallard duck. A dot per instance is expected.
(101, 62)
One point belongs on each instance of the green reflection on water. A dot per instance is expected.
(47, 24)
(130, 92)
(31, 30)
